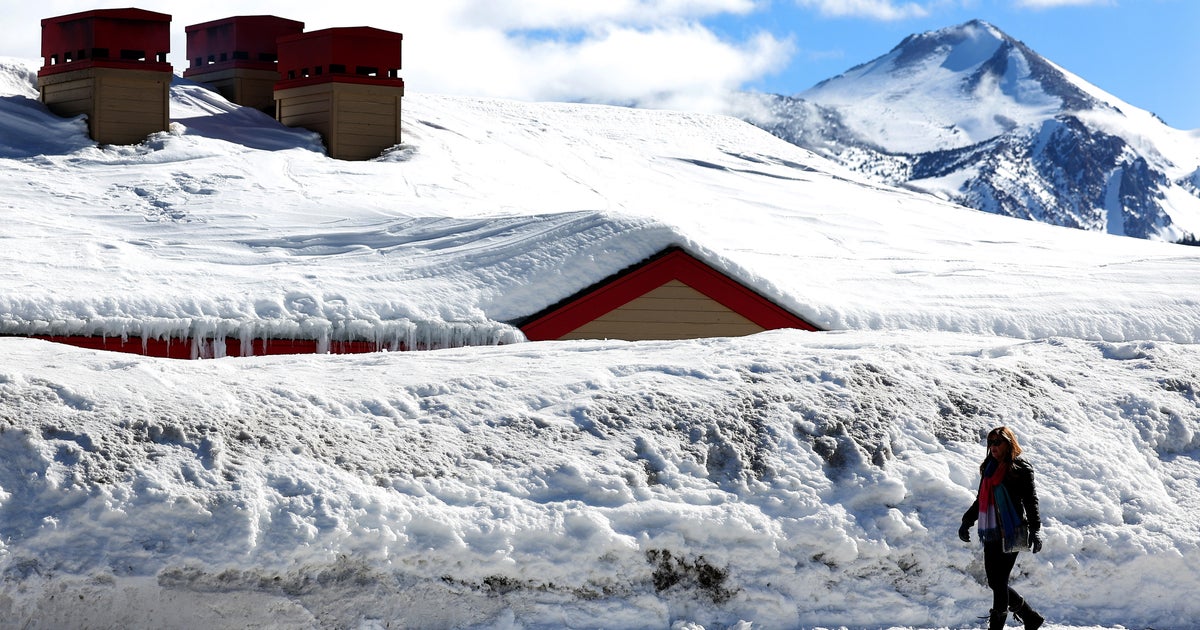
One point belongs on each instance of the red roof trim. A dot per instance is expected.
(130, 14)
(84, 64)
(253, 21)
(671, 264)
(318, 79)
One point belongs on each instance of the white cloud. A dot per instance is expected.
(648, 51)
(1051, 4)
(875, 9)
(651, 53)
(677, 67)
(587, 14)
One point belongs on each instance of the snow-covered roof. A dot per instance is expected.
(492, 210)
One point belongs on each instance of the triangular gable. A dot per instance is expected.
(706, 297)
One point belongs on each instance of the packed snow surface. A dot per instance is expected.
(781, 480)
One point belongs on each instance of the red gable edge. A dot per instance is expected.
(672, 263)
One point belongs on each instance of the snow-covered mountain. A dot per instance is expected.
(972, 115)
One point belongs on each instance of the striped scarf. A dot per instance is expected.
(998, 516)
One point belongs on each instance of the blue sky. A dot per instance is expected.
(687, 53)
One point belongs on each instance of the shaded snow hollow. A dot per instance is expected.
(780, 480)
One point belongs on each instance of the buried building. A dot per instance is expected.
(237, 57)
(110, 65)
(345, 84)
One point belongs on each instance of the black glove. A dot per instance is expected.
(964, 533)
(1036, 542)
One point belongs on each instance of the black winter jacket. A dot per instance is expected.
(1020, 486)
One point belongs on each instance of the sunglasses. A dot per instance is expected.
(996, 441)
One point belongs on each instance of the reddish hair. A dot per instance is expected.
(1006, 434)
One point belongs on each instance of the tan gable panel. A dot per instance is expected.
(671, 311)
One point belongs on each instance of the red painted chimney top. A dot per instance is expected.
(356, 54)
(244, 41)
(114, 38)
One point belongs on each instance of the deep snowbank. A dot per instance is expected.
(784, 479)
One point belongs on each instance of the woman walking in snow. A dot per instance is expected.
(1007, 512)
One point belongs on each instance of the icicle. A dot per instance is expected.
(246, 337)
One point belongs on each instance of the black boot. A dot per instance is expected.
(996, 619)
(1028, 616)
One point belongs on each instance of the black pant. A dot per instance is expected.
(998, 565)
